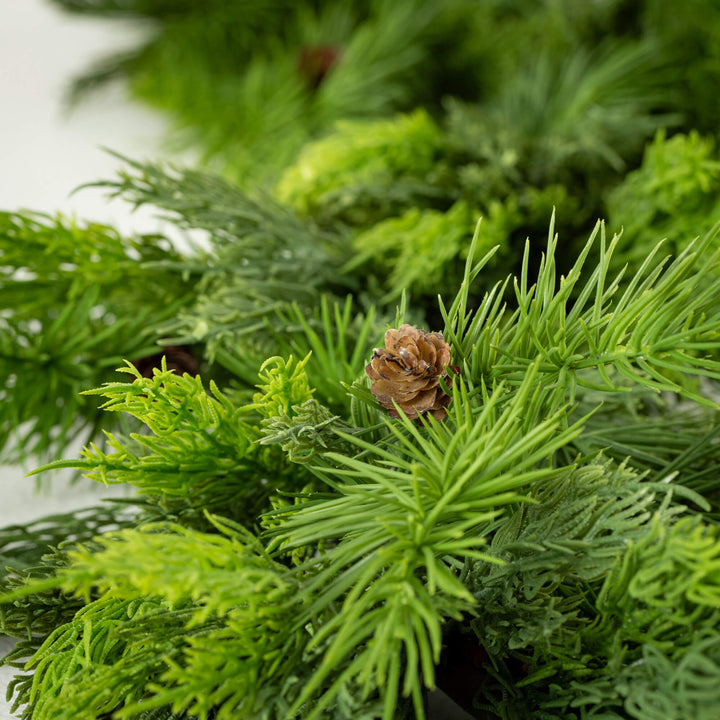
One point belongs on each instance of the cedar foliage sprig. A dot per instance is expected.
(198, 451)
(261, 256)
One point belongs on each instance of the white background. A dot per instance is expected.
(46, 151)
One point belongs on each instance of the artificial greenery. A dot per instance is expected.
(549, 548)
(242, 591)
(76, 299)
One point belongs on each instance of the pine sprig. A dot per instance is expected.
(419, 507)
(650, 331)
(261, 259)
(79, 300)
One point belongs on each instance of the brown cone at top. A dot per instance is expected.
(408, 371)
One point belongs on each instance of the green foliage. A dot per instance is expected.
(673, 193)
(291, 417)
(24, 545)
(657, 611)
(100, 659)
(391, 530)
(262, 258)
(577, 112)
(232, 73)
(411, 244)
(644, 645)
(76, 301)
(363, 170)
(230, 582)
(285, 386)
(552, 545)
(556, 133)
(690, 43)
(199, 450)
(533, 606)
(384, 533)
(339, 341)
(420, 504)
(658, 435)
(228, 629)
(588, 330)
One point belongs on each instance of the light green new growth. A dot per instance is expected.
(412, 243)
(673, 192)
(362, 157)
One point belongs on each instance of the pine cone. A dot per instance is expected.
(315, 61)
(408, 371)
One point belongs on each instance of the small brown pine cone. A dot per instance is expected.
(408, 371)
(315, 61)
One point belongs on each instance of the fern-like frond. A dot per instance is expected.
(211, 633)
(200, 450)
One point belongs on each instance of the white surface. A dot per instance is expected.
(47, 151)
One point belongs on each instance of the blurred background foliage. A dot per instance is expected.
(358, 112)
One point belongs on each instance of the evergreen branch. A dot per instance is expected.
(678, 443)
(414, 242)
(340, 343)
(670, 195)
(24, 545)
(416, 514)
(109, 663)
(227, 609)
(199, 442)
(48, 263)
(663, 585)
(660, 326)
(78, 301)
(201, 201)
(364, 170)
(582, 110)
(262, 257)
(577, 526)
(202, 450)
